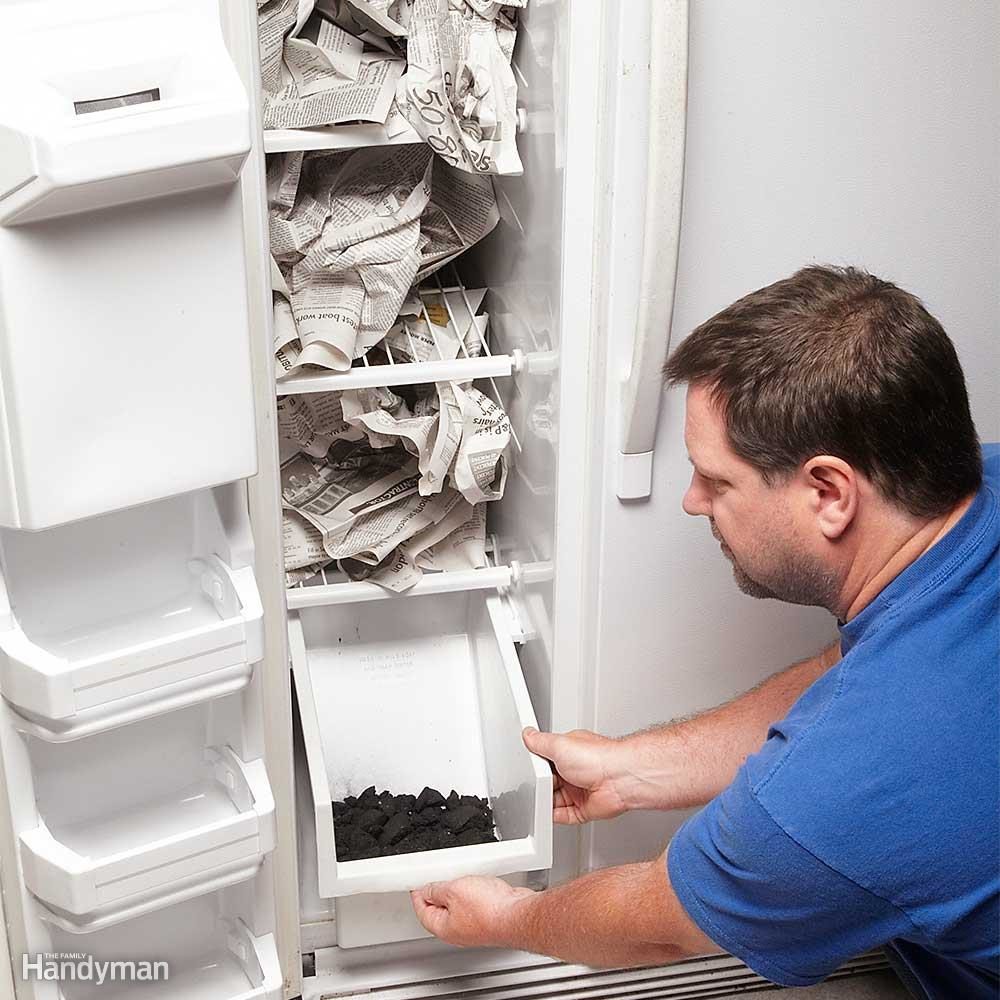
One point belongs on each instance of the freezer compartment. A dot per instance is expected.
(429, 692)
(125, 616)
(210, 950)
(133, 819)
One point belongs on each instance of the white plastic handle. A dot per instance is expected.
(642, 388)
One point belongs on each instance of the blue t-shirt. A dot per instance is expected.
(870, 816)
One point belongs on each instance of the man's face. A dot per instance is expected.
(764, 531)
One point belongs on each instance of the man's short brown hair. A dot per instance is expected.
(834, 361)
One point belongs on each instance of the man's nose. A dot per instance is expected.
(695, 501)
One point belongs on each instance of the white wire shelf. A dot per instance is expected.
(284, 140)
(358, 136)
(405, 373)
(331, 586)
(469, 366)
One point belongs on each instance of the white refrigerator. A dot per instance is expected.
(174, 723)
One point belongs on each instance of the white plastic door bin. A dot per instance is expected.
(429, 694)
(108, 621)
(209, 947)
(209, 834)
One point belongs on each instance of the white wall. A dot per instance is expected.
(862, 131)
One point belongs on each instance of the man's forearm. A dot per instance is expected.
(615, 918)
(688, 763)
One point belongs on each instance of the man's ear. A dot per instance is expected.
(833, 486)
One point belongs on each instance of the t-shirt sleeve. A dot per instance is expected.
(763, 898)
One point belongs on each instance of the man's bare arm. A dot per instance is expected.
(616, 918)
(688, 763)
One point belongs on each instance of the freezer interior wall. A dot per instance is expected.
(521, 263)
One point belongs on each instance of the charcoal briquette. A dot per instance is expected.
(428, 816)
(372, 820)
(381, 824)
(395, 829)
(458, 819)
(352, 843)
(469, 837)
(428, 797)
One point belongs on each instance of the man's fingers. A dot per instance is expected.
(434, 893)
(432, 917)
(543, 744)
(566, 816)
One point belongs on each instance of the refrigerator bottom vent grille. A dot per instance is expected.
(720, 976)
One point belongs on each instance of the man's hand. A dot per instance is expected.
(472, 912)
(624, 916)
(587, 773)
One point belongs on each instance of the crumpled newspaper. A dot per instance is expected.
(459, 92)
(442, 67)
(457, 542)
(392, 470)
(350, 234)
(328, 61)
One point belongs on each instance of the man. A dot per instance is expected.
(851, 799)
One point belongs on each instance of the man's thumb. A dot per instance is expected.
(543, 744)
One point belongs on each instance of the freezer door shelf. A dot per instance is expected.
(246, 968)
(212, 954)
(429, 693)
(213, 834)
(200, 645)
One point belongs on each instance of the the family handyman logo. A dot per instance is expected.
(70, 967)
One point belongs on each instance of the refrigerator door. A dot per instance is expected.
(137, 816)
(816, 132)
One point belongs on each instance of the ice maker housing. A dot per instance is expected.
(124, 346)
